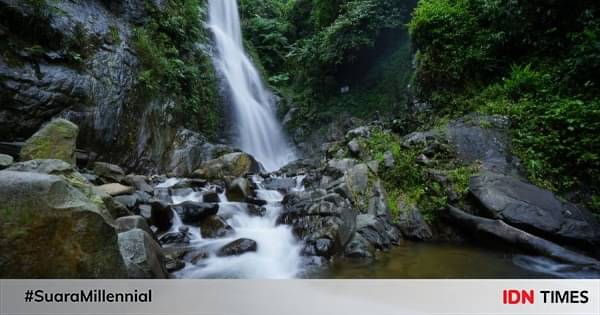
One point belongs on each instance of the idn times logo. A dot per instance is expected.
(514, 296)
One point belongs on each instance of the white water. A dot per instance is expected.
(278, 251)
(259, 132)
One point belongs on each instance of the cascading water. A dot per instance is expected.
(259, 132)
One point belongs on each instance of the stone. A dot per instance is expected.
(131, 202)
(362, 131)
(6, 161)
(56, 140)
(238, 190)
(215, 227)
(115, 189)
(49, 229)
(359, 248)
(142, 255)
(354, 147)
(388, 159)
(161, 215)
(211, 197)
(236, 164)
(124, 224)
(533, 209)
(174, 265)
(139, 182)
(373, 230)
(412, 224)
(176, 237)
(192, 212)
(324, 247)
(109, 173)
(282, 184)
(238, 247)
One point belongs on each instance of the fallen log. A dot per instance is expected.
(515, 236)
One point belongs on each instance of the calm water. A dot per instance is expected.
(447, 260)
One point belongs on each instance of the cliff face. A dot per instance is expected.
(76, 60)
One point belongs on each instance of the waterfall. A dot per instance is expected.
(258, 131)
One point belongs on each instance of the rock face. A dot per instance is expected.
(142, 255)
(533, 209)
(412, 224)
(232, 165)
(51, 229)
(56, 140)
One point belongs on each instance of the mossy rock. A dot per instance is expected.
(49, 229)
(232, 165)
(56, 140)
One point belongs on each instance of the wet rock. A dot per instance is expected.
(256, 210)
(412, 224)
(373, 230)
(255, 201)
(283, 184)
(316, 214)
(196, 257)
(139, 182)
(324, 247)
(109, 173)
(176, 237)
(124, 224)
(163, 195)
(237, 164)
(56, 140)
(211, 197)
(143, 196)
(145, 211)
(238, 247)
(192, 212)
(115, 189)
(161, 215)
(190, 183)
(181, 192)
(238, 190)
(142, 255)
(174, 265)
(359, 248)
(354, 147)
(5, 161)
(533, 209)
(50, 218)
(214, 227)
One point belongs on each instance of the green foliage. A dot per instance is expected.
(173, 66)
(411, 183)
(534, 61)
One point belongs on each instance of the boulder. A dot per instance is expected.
(161, 215)
(362, 131)
(109, 173)
(214, 227)
(211, 197)
(317, 215)
(354, 147)
(514, 236)
(238, 247)
(131, 222)
(176, 237)
(139, 182)
(142, 255)
(131, 202)
(238, 190)
(412, 224)
(236, 164)
(192, 212)
(49, 229)
(533, 209)
(115, 189)
(5, 161)
(283, 184)
(359, 248)
(56, 140)
(373, 230)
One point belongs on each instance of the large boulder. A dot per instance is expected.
(49, 229)
(142, 255)
(233, 165)
(215, 227)
(238, 190)
(194, 212)
(533, 209)
(109, 173)
(56, 140)
(412, 224)
(315, 215)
